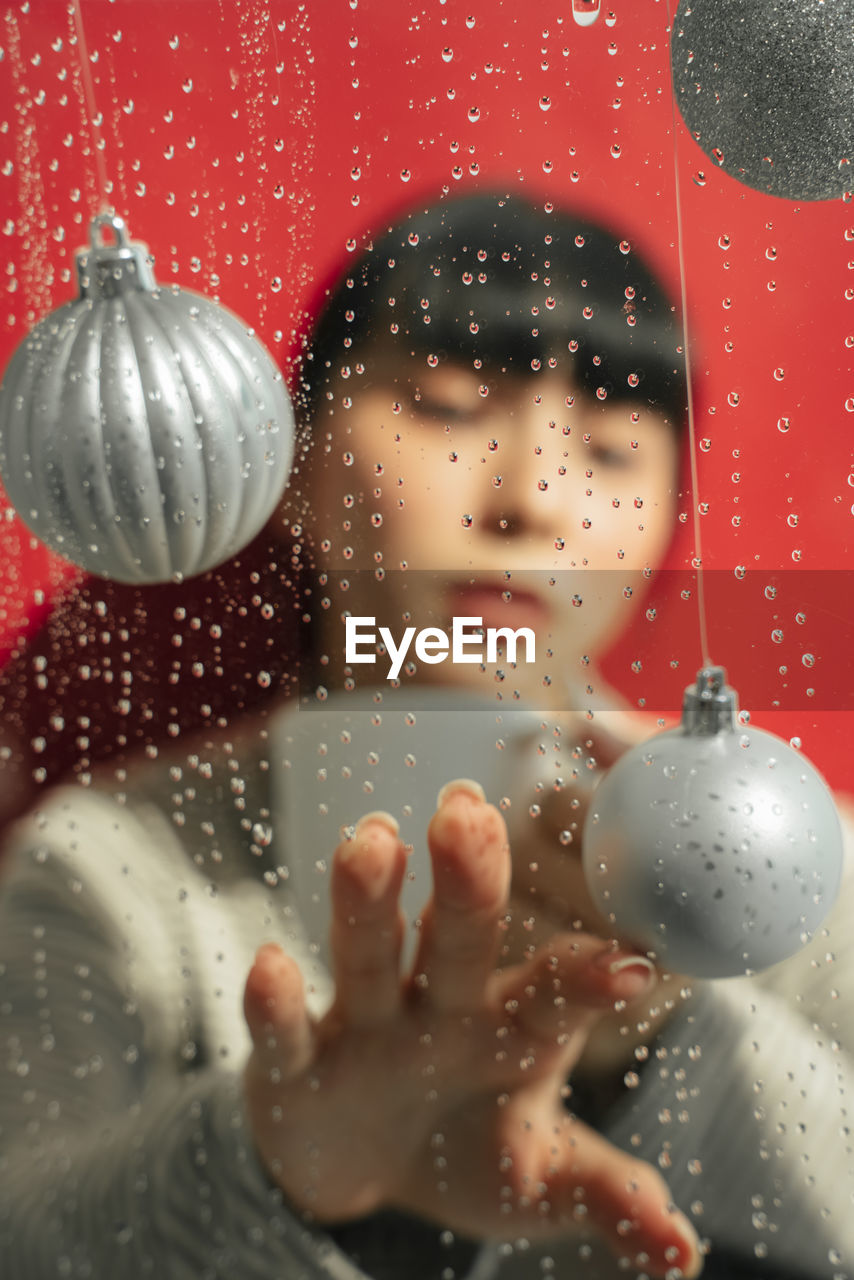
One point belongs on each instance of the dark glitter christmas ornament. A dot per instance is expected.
(767, 90)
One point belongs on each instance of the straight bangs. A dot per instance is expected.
(495, 282)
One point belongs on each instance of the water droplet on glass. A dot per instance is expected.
(262, 834)
(585, 12)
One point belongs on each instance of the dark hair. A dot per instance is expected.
(496, 279)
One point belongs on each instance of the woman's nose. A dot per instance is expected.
(528, 485)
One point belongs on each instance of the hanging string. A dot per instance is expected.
(92, 117)
(686, 345)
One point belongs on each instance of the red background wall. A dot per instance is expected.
(254, 148)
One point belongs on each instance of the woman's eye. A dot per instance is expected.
(611, 455)
(445, 409)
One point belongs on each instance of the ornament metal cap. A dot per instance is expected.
(105, 270)
(709, 706)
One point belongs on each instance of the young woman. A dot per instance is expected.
(495, 398)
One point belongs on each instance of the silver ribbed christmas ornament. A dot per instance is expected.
(145, 432)
(715, 846)
(767, 89)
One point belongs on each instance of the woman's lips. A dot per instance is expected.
(502, 606)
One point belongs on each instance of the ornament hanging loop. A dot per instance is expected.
(115, 223)
(106, 270)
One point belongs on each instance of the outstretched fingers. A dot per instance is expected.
(568, 984)
(367, 923)
(460, 926)
(275, 1011)
(626, 1200)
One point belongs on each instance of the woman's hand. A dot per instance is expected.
(441, 1093)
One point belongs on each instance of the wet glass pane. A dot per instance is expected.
(565, 379)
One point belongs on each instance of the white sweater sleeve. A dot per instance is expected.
(119, 1156)
(747, 1107)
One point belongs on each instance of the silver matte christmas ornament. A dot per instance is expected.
(145, 432)
(714, 846)
(767, 90)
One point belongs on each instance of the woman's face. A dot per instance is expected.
(520, 499)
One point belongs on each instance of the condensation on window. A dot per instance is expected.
(321, 952)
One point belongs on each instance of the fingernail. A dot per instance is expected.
(264, 948)
(270, 953)
(379, 815)
(460, 784)
(639, 963)
(641, 971)
(694, 1265)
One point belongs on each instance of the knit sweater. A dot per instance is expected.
(129, 916)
